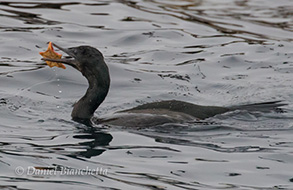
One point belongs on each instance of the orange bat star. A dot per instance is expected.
(50, 53)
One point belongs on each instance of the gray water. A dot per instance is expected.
(222, 53)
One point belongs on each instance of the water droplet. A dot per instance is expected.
(60, 91)
(58, 107)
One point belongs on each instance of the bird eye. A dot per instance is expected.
(83, 51)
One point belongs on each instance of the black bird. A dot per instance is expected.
(90, 62)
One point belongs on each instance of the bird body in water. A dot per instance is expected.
(90, 62)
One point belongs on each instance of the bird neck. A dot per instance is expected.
(97, 91)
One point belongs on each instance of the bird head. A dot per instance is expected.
(82, 58)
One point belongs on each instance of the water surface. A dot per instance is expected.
(206, 52)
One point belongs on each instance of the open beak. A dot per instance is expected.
(67, 60)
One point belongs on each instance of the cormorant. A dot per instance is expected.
(90, 62)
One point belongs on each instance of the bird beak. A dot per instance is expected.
(68, 61)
